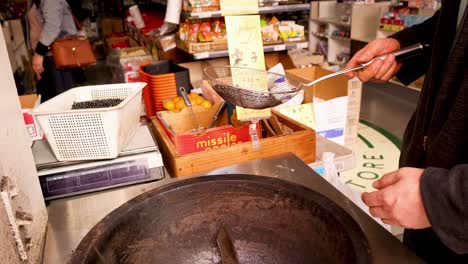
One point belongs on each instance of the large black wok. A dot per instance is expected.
(269, 221)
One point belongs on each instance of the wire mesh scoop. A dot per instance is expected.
(240, 86)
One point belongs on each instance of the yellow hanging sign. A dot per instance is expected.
(246, 50)
(238, 7)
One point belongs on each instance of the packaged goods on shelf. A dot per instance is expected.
(270, 31)
(200, 5)
(274, 30)
(272, 2)
(400, 18)
(202, 35)
(111, 25)
(340, 34)
(428, 4)
(292, 32)
(125, 62)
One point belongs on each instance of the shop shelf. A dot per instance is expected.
(320, 35)
(261, 10)
(333, 21)
(269, 48)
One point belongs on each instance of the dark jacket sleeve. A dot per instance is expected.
(422, 33)
(445, 198)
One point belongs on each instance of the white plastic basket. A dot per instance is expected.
(88, 134)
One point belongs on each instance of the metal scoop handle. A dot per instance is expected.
(400, 55)
(188, 103)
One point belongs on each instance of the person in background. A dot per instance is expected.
(56, 20)
(428, 195)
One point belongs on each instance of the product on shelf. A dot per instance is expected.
(290, 32)
(270, 31)
(274, 30)
(204, 30)
(200, 5)
(202, 35)
(125, 62)
(340, 34)
(399, 18)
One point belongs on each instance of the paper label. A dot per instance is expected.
(303, 113)
(203, 55)
(279, 47)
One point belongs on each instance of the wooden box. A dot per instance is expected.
(180, 127)
(300, 140)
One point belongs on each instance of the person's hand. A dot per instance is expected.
(37, 65)
(381, 70)
(398, 199)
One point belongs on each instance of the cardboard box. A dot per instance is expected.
(113, 40)
(271, 59)
(300, 141)
(28, 103)
(110, 25)
(329, 95)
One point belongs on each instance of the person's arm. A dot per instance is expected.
(422, 33)
(420, 198)
(445, 198)
(52, 12)
(386, 69)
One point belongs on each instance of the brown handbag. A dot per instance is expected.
(73, 52)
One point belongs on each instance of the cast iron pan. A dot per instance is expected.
(268, 220)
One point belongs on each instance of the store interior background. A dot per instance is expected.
(386, 105)
(378, 100)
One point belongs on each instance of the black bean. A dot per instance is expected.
(104, 103)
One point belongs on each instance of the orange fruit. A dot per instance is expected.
(169, 105)
(193, 95)
(177, 99)
(206, 104)
(199, 100)
(180, 105)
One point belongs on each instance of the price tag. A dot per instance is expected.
(302, 45)
(202, 55)
(204, 15)
(254, 136)
(279, 47)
